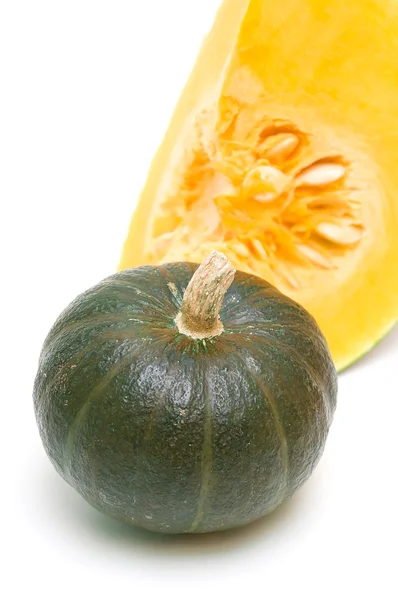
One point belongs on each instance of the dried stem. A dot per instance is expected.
(199, 317)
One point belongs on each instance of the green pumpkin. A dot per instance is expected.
(181, 403)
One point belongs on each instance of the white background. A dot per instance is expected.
(86, 91)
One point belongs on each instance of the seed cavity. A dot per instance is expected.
(247, 190)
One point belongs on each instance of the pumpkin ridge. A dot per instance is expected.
(87, 320)
(152, 416)
(156, 409)
(207, 458)
(126, 294)
(78, 356)
(290, 350)
(156, 311)
(104, 336)
(83, 412)
(253, 323)
(156, 303)
(269, 339)
(155, 412)
(71, 327)
(284, 453)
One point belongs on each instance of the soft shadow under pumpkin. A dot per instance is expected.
(195, 543)
(78, 515)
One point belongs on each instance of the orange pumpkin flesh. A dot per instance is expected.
(282, 154)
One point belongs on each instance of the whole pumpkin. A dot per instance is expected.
(185, 399)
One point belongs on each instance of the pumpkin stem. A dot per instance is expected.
(203, 298)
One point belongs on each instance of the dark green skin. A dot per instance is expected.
(175, 434)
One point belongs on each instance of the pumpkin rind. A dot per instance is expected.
(175, 434)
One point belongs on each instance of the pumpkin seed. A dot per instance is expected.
(321, 174)
(279, 147)
(341, 235)
(259, 249)
(314, 256)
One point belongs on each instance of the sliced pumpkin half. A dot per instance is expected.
(283, 154)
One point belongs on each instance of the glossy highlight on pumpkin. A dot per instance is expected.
(281, 154)
(176, 432)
